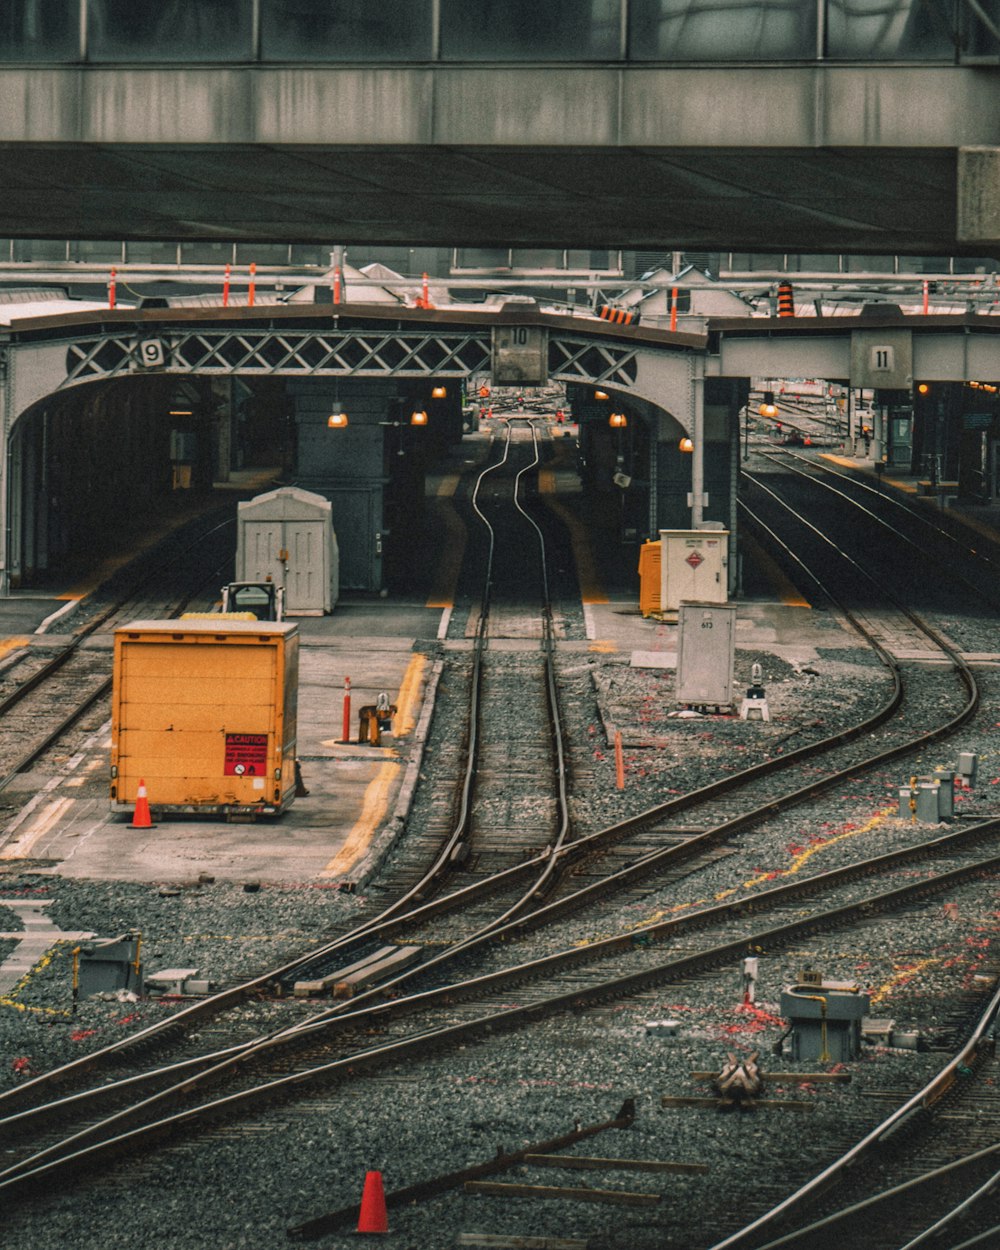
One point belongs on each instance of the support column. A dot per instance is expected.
(222, 422)
(6, 384)
(698, 438)
(978, 208)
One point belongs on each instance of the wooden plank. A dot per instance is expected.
(304, 988)
(583, 1162)
(620, 1197)
(785, 1078)
(402, 957)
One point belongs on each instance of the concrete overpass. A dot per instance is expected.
(856, 129)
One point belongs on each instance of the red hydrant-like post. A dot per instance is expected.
(346, 737)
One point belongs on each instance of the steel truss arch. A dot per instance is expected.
(266, 352)
(333, 353)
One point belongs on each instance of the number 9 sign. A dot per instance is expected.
(149, 353)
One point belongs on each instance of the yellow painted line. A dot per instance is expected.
(591, 590)
(604, 646)
(448, 485)
(407, 701)
(789, 594)
(546, 482)
(761, 879)
(846, 463)
(980, 527)
(19, 847)
(453, 538)
(373, 810)
(901, 976)
(12, 644)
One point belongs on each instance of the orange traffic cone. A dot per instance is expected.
(373, 1218)
(142, 818)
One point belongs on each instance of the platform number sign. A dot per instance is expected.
(520, 355)
(882, 359)
(149, 353)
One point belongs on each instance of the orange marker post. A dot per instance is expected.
(346, 737)
(673, 308)
(225, 289)
(619, 761)
(336, 285)
(111, 290)
(253, 283)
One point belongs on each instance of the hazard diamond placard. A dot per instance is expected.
(694, 559)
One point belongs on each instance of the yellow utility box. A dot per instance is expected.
(204, 712)
(650, 554)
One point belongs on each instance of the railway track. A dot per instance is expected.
(351, 1023)
(48, 697)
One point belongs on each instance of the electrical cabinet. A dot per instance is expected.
(706, 648)
(693, 565)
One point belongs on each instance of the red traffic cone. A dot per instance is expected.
(142, 818)
(373, 1218)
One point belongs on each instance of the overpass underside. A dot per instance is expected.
(861, 159)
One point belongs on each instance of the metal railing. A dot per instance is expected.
(518, 31)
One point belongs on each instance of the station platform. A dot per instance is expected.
(358, 794)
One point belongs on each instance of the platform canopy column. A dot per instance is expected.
(978, 208)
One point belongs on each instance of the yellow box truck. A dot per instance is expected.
(204, 713)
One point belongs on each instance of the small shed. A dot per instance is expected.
(287, 535)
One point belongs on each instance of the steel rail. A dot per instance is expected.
(828, 1222)
(223, 1000)
(43, 1167)
(39, 748)
(366, 1014)
(924, 1099)
(947, 535)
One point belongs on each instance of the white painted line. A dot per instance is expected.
(445, 622)
(588, 621)
(59, 612)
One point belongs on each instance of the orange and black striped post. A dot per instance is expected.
(786, 300)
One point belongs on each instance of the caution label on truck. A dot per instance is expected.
(246, 755)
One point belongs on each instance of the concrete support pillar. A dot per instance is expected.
(978, 208)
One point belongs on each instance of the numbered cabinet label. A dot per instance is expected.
(520, 355)
(148, 353)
